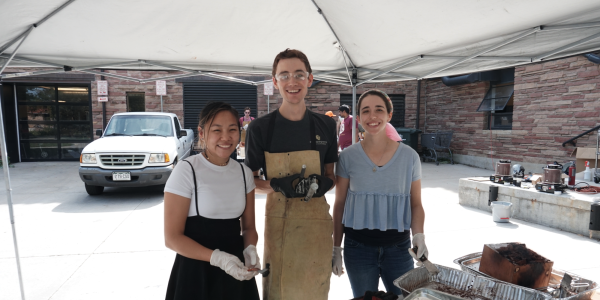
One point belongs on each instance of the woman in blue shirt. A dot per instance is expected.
(377, 203)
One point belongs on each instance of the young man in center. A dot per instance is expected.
(298, 226)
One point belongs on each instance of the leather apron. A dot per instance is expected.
(298, 234)
(243, 133)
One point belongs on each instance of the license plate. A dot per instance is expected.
(121, 176)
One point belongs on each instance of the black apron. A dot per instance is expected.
(196, 279)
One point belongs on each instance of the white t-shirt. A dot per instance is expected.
(220, 189)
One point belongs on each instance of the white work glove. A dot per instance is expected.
(336, 261)
(251, 259)
(419, 242)
(246, 126)
(231, 265)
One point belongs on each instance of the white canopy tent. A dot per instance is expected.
(348, 42)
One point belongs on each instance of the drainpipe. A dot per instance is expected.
(593, 58)
(418, 102)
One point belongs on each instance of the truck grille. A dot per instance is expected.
(122, 159)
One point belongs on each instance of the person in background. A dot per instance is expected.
(377, 203)
(209, 201)
(244, 121)
(337, 122)
(345, 138)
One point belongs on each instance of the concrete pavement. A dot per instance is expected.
(74, 246)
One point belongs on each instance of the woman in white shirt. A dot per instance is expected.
(209, 200)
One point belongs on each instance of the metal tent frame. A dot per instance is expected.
(465, 59)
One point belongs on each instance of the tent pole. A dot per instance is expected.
(354, 114)
(494, 47)
(16, 49)
(40, 22)
(563, 48)
(392, 69)
(5, 167)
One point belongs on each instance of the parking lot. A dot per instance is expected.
(75, 246)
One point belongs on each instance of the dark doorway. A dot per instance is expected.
(136, 102)
(55, 121)
(10, 121)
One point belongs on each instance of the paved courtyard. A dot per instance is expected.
(74, 246)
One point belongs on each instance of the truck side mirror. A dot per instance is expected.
(99, 132)
(182, 133)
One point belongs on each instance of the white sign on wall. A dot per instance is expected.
(102, 87)
(269, 88)
(161, 87)
(102, 99)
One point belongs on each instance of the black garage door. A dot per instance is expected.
(397, 103)
(197, 94)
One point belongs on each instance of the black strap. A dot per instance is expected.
(195, 186)
(313, 137)
(244, 175)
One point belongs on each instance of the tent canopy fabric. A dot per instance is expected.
(405, 40)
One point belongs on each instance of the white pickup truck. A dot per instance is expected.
(137, 149)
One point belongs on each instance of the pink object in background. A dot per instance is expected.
(391, 132)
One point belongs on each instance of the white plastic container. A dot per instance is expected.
(587, 174)
(501, 211)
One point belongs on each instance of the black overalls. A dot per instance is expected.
(196, 279)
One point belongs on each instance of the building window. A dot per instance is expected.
(498, 106)
(55, 121)
(136, 102)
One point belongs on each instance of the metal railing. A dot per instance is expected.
(572, 140)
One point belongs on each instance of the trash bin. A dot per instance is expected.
(410, 136)
(501, 211)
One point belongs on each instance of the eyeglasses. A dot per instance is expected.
(285, 76)
(247, 112)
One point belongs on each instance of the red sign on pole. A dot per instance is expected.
(161, 87)
(102, 87)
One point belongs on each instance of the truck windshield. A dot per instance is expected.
(139, 125)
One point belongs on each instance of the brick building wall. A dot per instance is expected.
(553, 101)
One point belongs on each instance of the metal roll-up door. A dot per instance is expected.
(397, 103)
(197, 94)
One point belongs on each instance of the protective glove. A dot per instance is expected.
(246, 126)
(231, 265)
(285, 186)
(336, 261)
(251, 259)
(325, 183)
(419, 242)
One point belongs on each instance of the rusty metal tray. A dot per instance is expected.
(470, 263)
(479, 287)
(430, 294)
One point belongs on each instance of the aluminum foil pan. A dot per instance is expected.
(582, 288)
(429, 294)
(468, 285)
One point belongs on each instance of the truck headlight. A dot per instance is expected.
(158, 158)
(88, 158)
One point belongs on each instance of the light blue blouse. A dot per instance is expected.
(380, 199)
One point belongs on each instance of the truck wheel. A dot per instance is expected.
(93, 190)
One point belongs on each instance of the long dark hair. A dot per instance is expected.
(208, 113)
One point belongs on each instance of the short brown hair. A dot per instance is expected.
(247, 108)
(291, 53)
(381, 94)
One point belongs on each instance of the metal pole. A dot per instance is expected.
(418, 102)
(161, 107)
(16, 49)
(9, 195)
(103, 108)
(353, 114)
(268, 109)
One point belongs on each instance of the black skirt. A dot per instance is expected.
(196, 279)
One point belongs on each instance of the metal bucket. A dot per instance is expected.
(501, 211)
